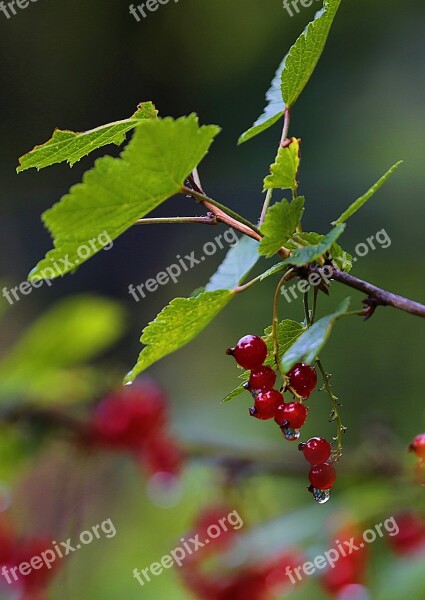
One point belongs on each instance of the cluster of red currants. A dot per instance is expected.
(250, 353)
(417, 446)
(135, 419)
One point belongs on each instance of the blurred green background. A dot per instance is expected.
(76, 65)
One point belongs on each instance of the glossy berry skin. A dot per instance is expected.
(302, 379)
(263, 378)
(418, 445)
(322, 476)
(266, 404)
(292, 414)
(316, 451)
(250, 352)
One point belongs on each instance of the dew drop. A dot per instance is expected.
(321, 496)
(128, 383)
(291, 434)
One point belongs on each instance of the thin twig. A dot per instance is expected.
(209, 219)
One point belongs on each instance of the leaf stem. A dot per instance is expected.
(266, 205)
(209, 219)
(286, 123)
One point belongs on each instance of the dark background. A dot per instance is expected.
(77, 65)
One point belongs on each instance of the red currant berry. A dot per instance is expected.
(418, 445)
(322, 476)
(263, 378)
(162, 454)
(302, 379)
(410, 538)
(267, 403)
(250, 352)
(126, 418)
(292, 414)
(316, 451)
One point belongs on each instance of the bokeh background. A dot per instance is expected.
(76, 65)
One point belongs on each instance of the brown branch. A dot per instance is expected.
(376, 296)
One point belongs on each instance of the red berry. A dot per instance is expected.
(250, 352)
(263, 378)
(36, 580)
(125, 419)
(316, 451)
(418, 445)
(292, 414)
(303, 379)
(266, 404)
(323, 476)
(162, 454)
(410, 538)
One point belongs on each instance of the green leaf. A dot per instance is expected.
(234, 393)
(287, 332)
(71, 146)
(295, 70)
(355, 206)
(305, 53)
(341, 258)
(273, 111)
(71, 333)
(277, 268)
(118, 191)
(238, 262)
(284, 170)
(280, 223)
(309, 344)
(176, 325)
(309, 254)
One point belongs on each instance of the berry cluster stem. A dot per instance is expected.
(275, 321)
(335, 415)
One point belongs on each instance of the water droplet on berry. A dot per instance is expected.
(321, 496)
(291, 434)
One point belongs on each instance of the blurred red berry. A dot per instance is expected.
(36, 580)
(411, 536)
(250, 352)
(162, 454)
(348, 570)
(302, 379)
(125, 419)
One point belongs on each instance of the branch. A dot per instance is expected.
(377, 296)
(224, 214)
